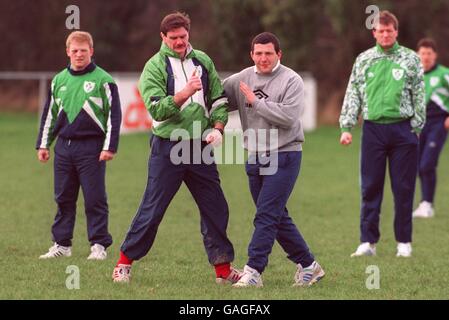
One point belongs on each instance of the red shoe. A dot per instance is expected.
(122, 273)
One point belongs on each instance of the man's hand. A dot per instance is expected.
(193, 85)
(446, 124)
(247, 92)
(106, 155)
(214, 137)
(43, 155)
(346, 138)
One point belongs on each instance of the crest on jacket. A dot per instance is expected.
(89, 86)
(398, 74)
(434, 81)
(198, 71)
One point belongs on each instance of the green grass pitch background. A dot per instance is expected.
(324, 204)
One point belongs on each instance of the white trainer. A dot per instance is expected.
(97, 252)
(122, 273)
(365, 249)
(233, 277)
(404, 250)
(305, 277)
(250, 278)
(57, 251)
(424, 210)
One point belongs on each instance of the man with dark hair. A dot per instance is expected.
(185, 98)
(270, 100)
(434, 134)
(175, 21)
(387, 87)
(83, 111)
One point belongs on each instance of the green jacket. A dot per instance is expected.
(437, 87)
(81, 104)
(386, 87)
(164, 75)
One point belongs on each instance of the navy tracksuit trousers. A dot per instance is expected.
(396, 144)
(76, 164)
(431, 142)
(164, 180)
(272, 222)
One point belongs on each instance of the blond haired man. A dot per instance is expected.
(83, 111)
(387, 88)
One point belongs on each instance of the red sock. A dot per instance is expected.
(124, 259)
(223, 270)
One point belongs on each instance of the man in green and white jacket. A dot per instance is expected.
(185, 97)
(434, 134)
(83, 112)
(387, 88)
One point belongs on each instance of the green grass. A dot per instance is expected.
(324, 204)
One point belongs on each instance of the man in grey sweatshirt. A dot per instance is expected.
(270, 100)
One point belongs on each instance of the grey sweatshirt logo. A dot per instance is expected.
(259, 94)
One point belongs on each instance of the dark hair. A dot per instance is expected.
(264, 38)
(427, 43)
(386, 18)
(174, 21)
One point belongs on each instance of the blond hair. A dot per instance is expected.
(80, 36)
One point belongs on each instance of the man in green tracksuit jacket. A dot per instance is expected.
(83, 112)
(185, 98)
(434, 134)
(387, 88)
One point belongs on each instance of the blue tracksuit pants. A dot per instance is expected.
(396, 145)
(76, 164)
(272, 222)
(431, 142)
(164, 180)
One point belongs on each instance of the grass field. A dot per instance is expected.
(324, 204)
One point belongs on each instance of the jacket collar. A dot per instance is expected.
(90, 67)
(392, 50)
(432, 69)
(170, 53)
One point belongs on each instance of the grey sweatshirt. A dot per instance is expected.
(279, 105)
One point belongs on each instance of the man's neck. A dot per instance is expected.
(387, 49)
(80, 71)
(74, 68)
(431, 68)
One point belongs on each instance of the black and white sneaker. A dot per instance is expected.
(57, 251)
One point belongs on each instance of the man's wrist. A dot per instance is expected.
(181, 97)
(220, 130)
